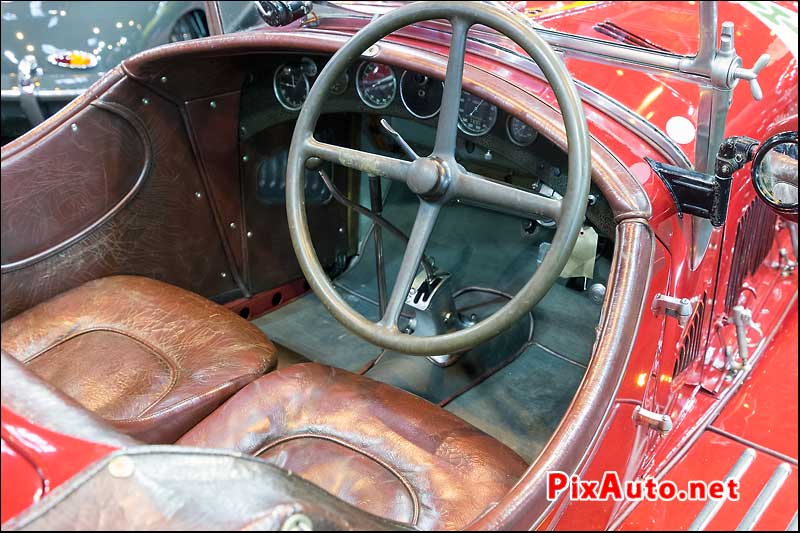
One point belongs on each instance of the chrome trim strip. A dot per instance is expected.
(745, 442)
(712, 507)
(765, 497)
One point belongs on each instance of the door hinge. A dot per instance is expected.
(659, 422)
(678, 308)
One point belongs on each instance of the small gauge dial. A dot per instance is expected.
(476, 116)
(520, 133)
(309, 67)
(376, 84)
(291, 86)
(421, 94)
(340, 85)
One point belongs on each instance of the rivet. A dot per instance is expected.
(145, 101)
(223, 275)
(245, 158)
(163, 79)
(121, 467)
(232, 225)
(74, 127)
(213, 104)
(198, 195)
(249, 234)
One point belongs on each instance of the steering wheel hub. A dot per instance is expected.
(428, 178)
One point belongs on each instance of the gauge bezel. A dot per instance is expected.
(511, 135)
(278, 93)
(405, 104)
(360, 93)
(488, 130)
(346, 76)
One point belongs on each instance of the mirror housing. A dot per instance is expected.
(774, 174)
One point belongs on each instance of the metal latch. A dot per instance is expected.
(659, 422)
(678, 308)
(742, 319)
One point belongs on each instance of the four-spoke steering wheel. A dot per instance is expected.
(438, 178)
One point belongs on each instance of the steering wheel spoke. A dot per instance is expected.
(420, 234)
(372, 164)
(485, 192)
(447, 126)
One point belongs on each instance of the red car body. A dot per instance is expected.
(715, 415)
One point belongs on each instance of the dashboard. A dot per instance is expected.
(378, 86)
(491, 141)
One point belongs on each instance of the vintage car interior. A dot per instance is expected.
(386, 272)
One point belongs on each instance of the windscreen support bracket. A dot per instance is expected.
(705, 195)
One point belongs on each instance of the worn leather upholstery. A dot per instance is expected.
(148, 357)
(379, 448)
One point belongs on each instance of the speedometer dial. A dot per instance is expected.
(291, 86)
(520, 133)
(476, 116)
(421, 94)
(376, 84)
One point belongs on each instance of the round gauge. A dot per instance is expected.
(291, 86)
(340, 85)
(421, 94)
(520, 133)
(476, 116)
(376, 84)
(309, 67)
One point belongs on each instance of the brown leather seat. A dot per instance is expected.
(379, 448)
(150, 358)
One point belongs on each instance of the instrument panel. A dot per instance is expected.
(379, 86)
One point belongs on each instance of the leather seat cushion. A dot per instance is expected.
(379, 448)
(148, 357)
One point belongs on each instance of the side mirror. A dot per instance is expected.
(774, 174)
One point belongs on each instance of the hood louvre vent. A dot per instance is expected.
(689, 347)
(754, 236)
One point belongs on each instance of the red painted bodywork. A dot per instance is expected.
(702, 397)
(36, 460)
(763, 415)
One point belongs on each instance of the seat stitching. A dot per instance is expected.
(165, 410)
(408, 486)
(171, 368)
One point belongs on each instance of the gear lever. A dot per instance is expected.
(399, 140)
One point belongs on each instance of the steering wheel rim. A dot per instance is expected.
(438, 178)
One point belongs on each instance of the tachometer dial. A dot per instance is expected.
(476, 116)
(520, 133)
(291, 86)
(421, 94)
(376, 84)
